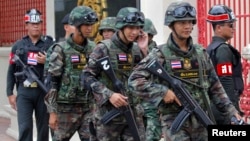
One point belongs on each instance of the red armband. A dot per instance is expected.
(11, 58)
(224, 69)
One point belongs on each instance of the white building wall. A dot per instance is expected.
(50, 26)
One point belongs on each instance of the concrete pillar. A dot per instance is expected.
(50, 18)
(4, 62)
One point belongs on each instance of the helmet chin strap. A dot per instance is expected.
(124, 36)
(79, 29)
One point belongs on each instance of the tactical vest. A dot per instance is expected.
(192, 71)
(121, 62)
(151, 45)
(70, 90)
(27, 53)
(237, 66)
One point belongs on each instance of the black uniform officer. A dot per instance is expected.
(31, 50)
(226, 59)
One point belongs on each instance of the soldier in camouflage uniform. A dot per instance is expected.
(123, 54)
(107, 27)
(151, 114)
(67, 102)
(149, 28)
(188, 63)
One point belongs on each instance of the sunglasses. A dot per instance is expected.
(181, 12)
(230, 25)
(133, 18)
(90, 17)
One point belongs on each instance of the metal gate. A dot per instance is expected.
(241, 9)
(12, 13)
(241, 39)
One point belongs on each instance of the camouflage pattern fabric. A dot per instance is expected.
(198, 132)
(169, 18)
(151, 114)
(151, 45)
(118, 127)
(123, 13)
(152, 91)
(149, 27)
(82, 15)
(107, 23)
(72, 118)
(70, 102)
(152, 123)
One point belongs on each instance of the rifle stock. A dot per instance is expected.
(189, 104)
(105, 65)
(30, 73)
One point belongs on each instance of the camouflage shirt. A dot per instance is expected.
(151, 45)
(180, 64)
(67, 63)
(123, 58)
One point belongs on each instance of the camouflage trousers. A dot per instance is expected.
(152, 124)
(71, 119)
(191, 130)
(117, 129)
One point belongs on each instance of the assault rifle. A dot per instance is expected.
(188, 103)
(238, 122)
(30, 73)
(105, 65)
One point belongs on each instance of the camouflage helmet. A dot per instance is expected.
(107, 23)
(220, 13)
(82, 15)
(179, 11)
(129, 16)
(149, 27)
(33, 16)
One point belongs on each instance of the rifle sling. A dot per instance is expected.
(110, 115)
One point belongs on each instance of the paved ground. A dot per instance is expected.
(4, 124)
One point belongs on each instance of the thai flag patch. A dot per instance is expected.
(75, 58)
(122, 57)
(176, 64)
(32, 58)
(32, 61)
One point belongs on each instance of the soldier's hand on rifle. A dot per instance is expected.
(118, 100)
(170, 97)
(237, 119)
(41, 57)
